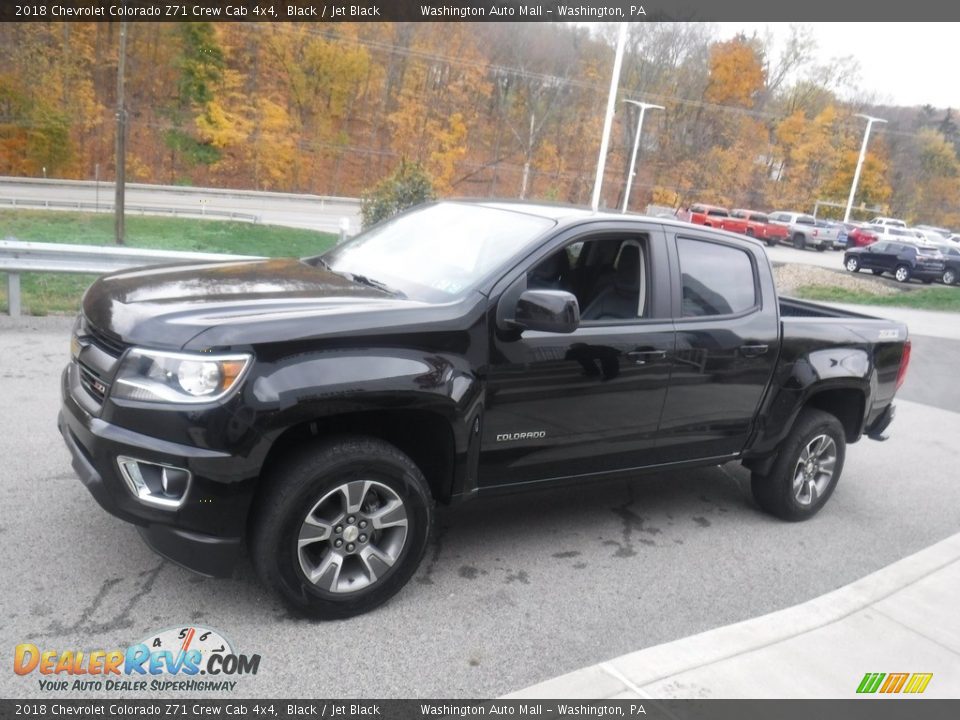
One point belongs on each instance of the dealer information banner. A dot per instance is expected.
(476, 10)
(532, 710)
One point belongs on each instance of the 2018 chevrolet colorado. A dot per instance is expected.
(316, 410)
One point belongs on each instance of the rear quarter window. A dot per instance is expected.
(715, 279)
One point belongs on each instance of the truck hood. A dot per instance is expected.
(167, 306)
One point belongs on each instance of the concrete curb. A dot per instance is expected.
(627, 675)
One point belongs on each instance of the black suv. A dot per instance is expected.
(904, 260)
(951, 264)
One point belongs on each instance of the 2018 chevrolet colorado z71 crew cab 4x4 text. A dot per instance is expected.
(316, 410)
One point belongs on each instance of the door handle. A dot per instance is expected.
(642, 357)
(752, 351)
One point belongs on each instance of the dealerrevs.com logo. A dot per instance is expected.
(169, 660)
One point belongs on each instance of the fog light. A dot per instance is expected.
(165, 486)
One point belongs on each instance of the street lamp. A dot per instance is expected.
(863, 153)
(608, 116)
(636, 145)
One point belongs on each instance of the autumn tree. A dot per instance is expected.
(199, 64)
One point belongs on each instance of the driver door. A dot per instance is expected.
(589, 402)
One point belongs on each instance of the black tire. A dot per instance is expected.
(852, 264)
(877, 272)
(296, 485)
(949, 277)
(775, 492)
(800, 241)
(749, 232)
(771, 242)
(820, 248)
(902, 273)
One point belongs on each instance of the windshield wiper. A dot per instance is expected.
(370, 282)
(362, 279)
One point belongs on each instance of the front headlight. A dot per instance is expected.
(155, 376)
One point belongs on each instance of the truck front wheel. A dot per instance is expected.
(342, 526)
(807, 469)
(800, 241)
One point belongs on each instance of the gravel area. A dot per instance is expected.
(789, 278)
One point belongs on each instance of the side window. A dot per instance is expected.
(607, 275)
(715, 279)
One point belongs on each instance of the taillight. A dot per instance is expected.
(904, 362)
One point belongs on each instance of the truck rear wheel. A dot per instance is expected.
(342, 527)
(807, 469)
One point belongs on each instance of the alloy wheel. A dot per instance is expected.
(352, 536)
(814, 470)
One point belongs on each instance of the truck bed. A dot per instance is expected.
(792, 307)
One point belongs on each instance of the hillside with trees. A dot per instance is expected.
(505, 110)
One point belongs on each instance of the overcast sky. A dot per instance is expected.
(902, 63)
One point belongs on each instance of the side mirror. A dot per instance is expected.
(553, 311)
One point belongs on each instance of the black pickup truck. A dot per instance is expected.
(315, 411)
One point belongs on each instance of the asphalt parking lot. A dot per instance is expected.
(512, 591)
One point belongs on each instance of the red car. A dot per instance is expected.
(860, 237)
(757, 225)
(708, 215)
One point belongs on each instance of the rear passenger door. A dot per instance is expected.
(727, 338)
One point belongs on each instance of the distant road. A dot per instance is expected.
(304, 211)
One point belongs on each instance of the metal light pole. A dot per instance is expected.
(863, 153)
(121, 161)
(608, 120)
(636, 145)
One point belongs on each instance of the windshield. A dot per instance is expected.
(438, 252)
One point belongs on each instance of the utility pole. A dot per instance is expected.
(121, 159)
(608, 119)
(863, 153)
(636, 146)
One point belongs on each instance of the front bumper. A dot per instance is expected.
(175, 534)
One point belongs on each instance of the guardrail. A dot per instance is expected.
(18, 257)
(107, 186)
(141, 209)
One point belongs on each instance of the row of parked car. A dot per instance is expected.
(924, 252)
(887, 245)
(781, 226)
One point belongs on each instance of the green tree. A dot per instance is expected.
(410, 185)
(200, 64)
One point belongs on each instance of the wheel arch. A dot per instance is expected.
(847, 404)
(426, 437)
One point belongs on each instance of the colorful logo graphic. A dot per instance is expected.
(187, 651)
(894, 683)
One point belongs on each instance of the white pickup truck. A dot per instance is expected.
(803, 229)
